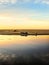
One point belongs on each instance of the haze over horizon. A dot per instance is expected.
(24, 14)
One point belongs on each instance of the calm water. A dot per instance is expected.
(27, 47)
(21, 44)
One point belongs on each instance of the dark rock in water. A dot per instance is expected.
(24, 33)
(14, 30)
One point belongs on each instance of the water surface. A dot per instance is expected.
(22, 43)
(30, 48)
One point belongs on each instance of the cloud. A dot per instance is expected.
(12, 1)
(24, 1)
(45, 1)
(42, 1)
(8, 1)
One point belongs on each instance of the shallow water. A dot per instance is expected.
(22, 43)
(24, 47)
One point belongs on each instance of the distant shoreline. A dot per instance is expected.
(24, 32)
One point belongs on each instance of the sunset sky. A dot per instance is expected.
(24, 14)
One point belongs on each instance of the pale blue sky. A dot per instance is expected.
(18, 12)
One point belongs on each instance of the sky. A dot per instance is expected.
(24, 14)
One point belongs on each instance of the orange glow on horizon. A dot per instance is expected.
(12, 21)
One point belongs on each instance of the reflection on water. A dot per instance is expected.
(21, 47)
(20, 43)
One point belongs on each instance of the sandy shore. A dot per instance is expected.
(24, 32)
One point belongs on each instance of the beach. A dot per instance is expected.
(24, 32)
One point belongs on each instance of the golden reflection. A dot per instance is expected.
(7, 39)
(14, 38)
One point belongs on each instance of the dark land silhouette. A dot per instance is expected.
(24, 32)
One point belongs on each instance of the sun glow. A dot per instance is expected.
(18, 21)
